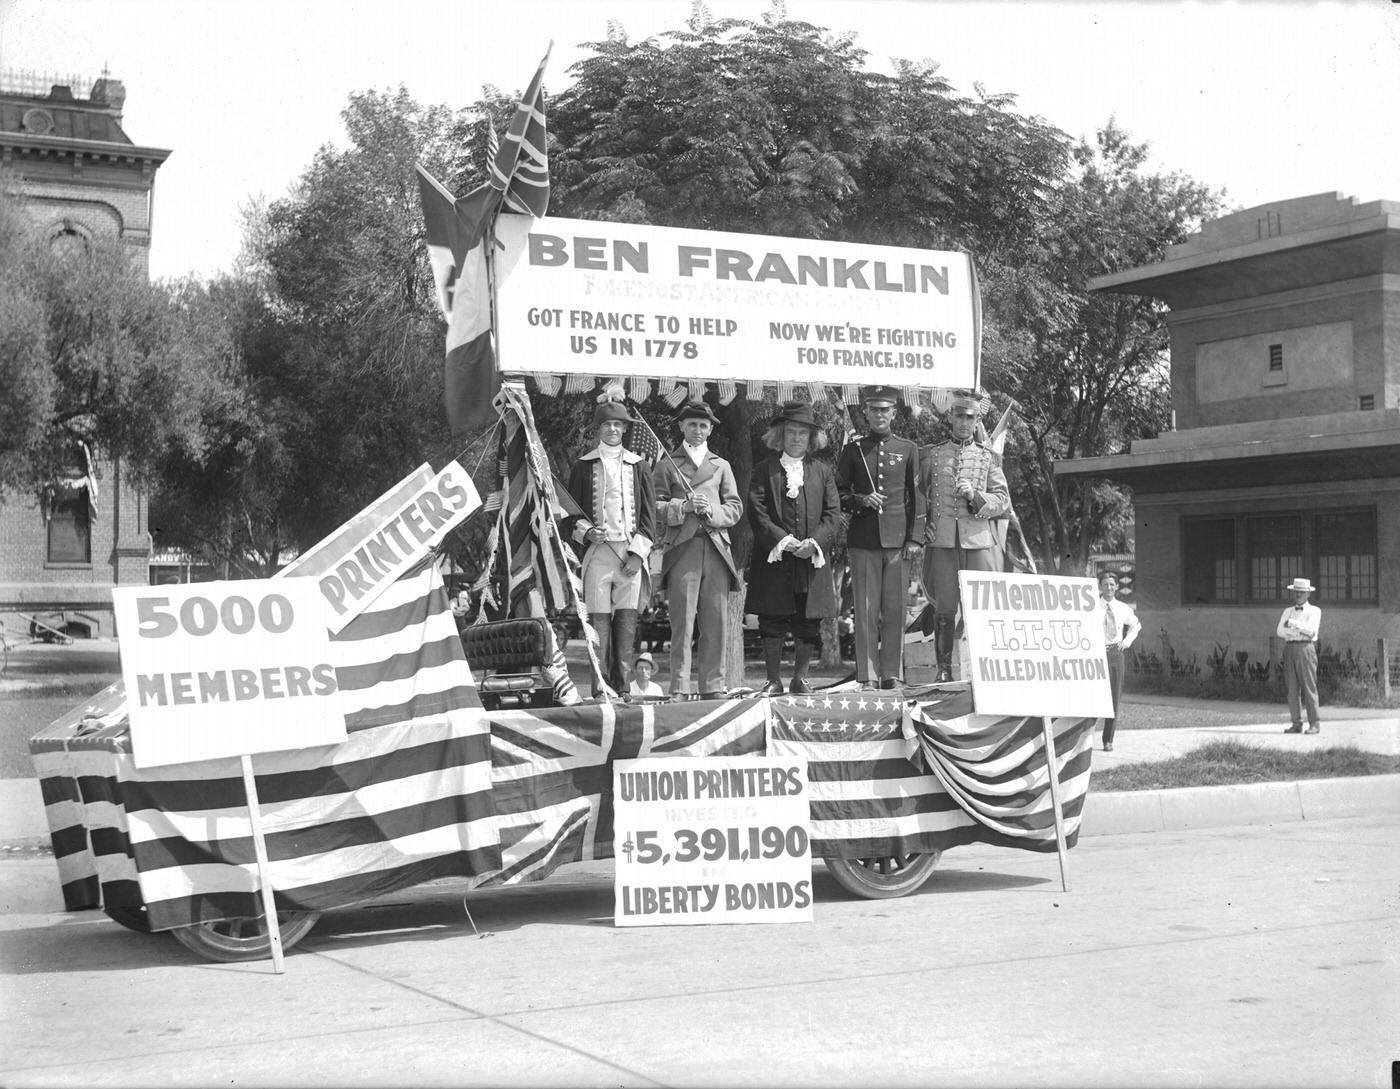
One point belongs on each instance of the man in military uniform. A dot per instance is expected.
(963, 484)
(877, 478)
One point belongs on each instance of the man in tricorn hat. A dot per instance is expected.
(612, 486)
(877, 478)
(963, 483)
(697, 500)
(795, 512)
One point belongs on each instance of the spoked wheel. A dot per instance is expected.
(244, 939)
(883, 878)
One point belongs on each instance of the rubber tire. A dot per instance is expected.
(133, 918)
(883, 878)
(229, 940)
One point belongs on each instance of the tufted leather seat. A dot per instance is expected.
(508, 659)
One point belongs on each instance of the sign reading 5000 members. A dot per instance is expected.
(585, 297)
(219, 669)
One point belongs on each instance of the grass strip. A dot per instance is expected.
(1226, 763)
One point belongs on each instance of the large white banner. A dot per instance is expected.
(586, 297)
(721, 839)
(218, 669)
(1036, 644)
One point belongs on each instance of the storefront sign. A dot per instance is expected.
(216, 669)
(1036, 644)
(586, 297)
(712, 840)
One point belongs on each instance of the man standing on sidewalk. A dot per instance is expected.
(1120, 628)
(1298, 627)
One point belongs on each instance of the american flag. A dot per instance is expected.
(406, 798)
(891, 777)
(641, 439)
(996, 770)
(868, 797)
(551, 771)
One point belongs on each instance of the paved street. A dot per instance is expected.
(1254, 957)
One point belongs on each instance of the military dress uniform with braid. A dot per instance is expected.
(958, 532)
(875, 545)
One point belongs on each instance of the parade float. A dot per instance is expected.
(284, 747)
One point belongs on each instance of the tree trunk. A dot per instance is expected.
(734, 639)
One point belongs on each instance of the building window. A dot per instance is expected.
(1368, 402)
(1209, 558)
(70, 528)
(1274, 551)
(1336, 550)
(1346, 555)
(1275, 357)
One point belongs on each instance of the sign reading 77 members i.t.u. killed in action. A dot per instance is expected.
(218, 669)
(712, 840)
(1036, 644)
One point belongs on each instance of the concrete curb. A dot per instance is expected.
(1118, 812)
(1107, 813)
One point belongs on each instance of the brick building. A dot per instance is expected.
(82, 177)
(1285, 460)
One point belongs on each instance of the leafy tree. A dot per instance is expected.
(1089, 369)
(91, 353)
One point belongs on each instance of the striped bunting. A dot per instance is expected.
(868, 798)
(551, 771)
(405, 799)
(75, 761)
(996, 770)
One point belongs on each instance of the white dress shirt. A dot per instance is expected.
(1120, 624)
(1299, 623)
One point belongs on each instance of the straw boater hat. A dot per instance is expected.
(696, 409)
(1300, 584)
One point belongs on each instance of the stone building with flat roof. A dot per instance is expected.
(63, 148)
(1285, 458)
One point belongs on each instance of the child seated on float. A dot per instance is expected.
(643, 667)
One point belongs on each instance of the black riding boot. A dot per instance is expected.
(802, 658)
(602, 624)
(943, 647)
(773, 663)
(623, 643)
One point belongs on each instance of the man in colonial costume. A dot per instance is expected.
(877, 478)
(963, 484)
(795, 512)
(697, 500)
(612, 486)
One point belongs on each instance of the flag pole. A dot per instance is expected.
(1052, 768)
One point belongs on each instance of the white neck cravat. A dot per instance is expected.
(793, 468)
(696, 453)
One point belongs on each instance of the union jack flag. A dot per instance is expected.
(551, 771)
(519, 166)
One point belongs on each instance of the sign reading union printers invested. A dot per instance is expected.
(713, 840)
